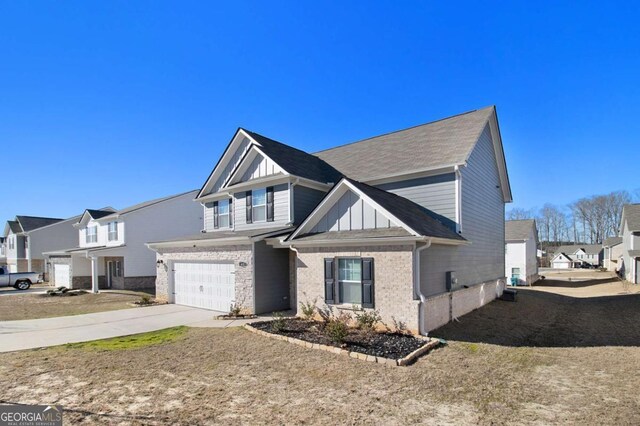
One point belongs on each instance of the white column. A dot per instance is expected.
(94, 274)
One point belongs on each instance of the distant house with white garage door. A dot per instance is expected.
(577, 255)
(521, 249)
(111, 250)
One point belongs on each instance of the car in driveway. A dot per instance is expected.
(19, 280)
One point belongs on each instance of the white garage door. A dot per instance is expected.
(205, 285)
(61, 276)
(561, 265)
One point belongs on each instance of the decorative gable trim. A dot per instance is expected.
(332, 198)
(248, 162)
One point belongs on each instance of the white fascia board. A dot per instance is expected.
(414, 174)
(501, 162)
(353, 241)
(257, 183)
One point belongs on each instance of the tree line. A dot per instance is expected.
(588, 220)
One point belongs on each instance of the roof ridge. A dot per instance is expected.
(405, 129)
(278, 142)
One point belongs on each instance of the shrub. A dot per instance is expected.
(367, 320)
(308, 309)
(337, 327)
(277, 324)
(399, 326)
(325, 313)
(235, 309)
(145, 300)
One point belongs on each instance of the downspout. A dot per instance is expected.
(292, 211)
(416, 286)
(295, 279)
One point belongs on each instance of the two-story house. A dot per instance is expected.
(111, 250)
(630, 232)
(611, 253)
(577, 255)
(410, 223)
(26, 238)
(521, 248)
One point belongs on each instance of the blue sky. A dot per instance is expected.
(114, 103)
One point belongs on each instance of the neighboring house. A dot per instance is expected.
(521, 250)
(26, 238)
(577, 255)
(410, 223)
(612, 252)
(630, 231)
(111, 250)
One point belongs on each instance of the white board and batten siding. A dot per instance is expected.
(482, 223)
(207, 285)
(231, 165)
(351, 213)
(260, 167)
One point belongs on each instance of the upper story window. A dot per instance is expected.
(113, 231)
(2, 249)
(92, 234)
(222, 214)
(12, 243)
(259, 205)
(26, 243)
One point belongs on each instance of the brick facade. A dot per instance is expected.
(237, 254)
(393, 279)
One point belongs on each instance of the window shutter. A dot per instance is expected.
(329, 281)
(215, 215)
(248, 207)
(270, 204)
(367, 282)
(230, 212)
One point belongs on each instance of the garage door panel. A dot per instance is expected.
(62, 276)
(205, 285)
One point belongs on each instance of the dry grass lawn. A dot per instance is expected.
(34, 306)
(548, 358)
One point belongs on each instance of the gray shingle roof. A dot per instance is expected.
(588, 248)
(295, 161)
(29, 223)
(97, 214)
(518, 229)
(423, 221)
(148, 203)
(631, 212)
(365, 233)
(221, 235)
(441, 143)
(612, 241)
(14, 226)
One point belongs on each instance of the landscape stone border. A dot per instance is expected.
(430, 344)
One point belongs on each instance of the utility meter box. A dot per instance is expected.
(452, 281)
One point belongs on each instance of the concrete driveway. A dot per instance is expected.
(31, 334)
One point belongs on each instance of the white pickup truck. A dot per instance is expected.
(19, 280)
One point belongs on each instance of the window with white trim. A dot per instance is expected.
(26, 242)
(350, 281)
(223, 214)
(12, 243)
(113, 231)
(259, 205)
(91, 234)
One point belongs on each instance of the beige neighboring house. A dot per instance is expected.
(630, 231)
(521, 250)
(612, 253)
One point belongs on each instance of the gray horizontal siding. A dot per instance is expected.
(482, 225)
(305, 199)
(436, 193)
(271, 278)
(280, 209)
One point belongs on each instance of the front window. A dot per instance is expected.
(12, 243)
(26, 243)
(92, 234)
(350, 281)
(223, 214)
(259, 205)
(113, 231)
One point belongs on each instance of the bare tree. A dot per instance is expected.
(519, 214)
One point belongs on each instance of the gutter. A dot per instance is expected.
(416, 286)
(198, 243)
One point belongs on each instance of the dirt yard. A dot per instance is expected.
(33, 306)
(549, 358)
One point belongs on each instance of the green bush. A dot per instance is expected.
(337, 327)
(367, 320)
(308, 309)
(278, 322)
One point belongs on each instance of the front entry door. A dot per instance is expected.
(110, 273)
(114, 274)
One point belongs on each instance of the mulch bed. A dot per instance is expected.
(387, 345)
